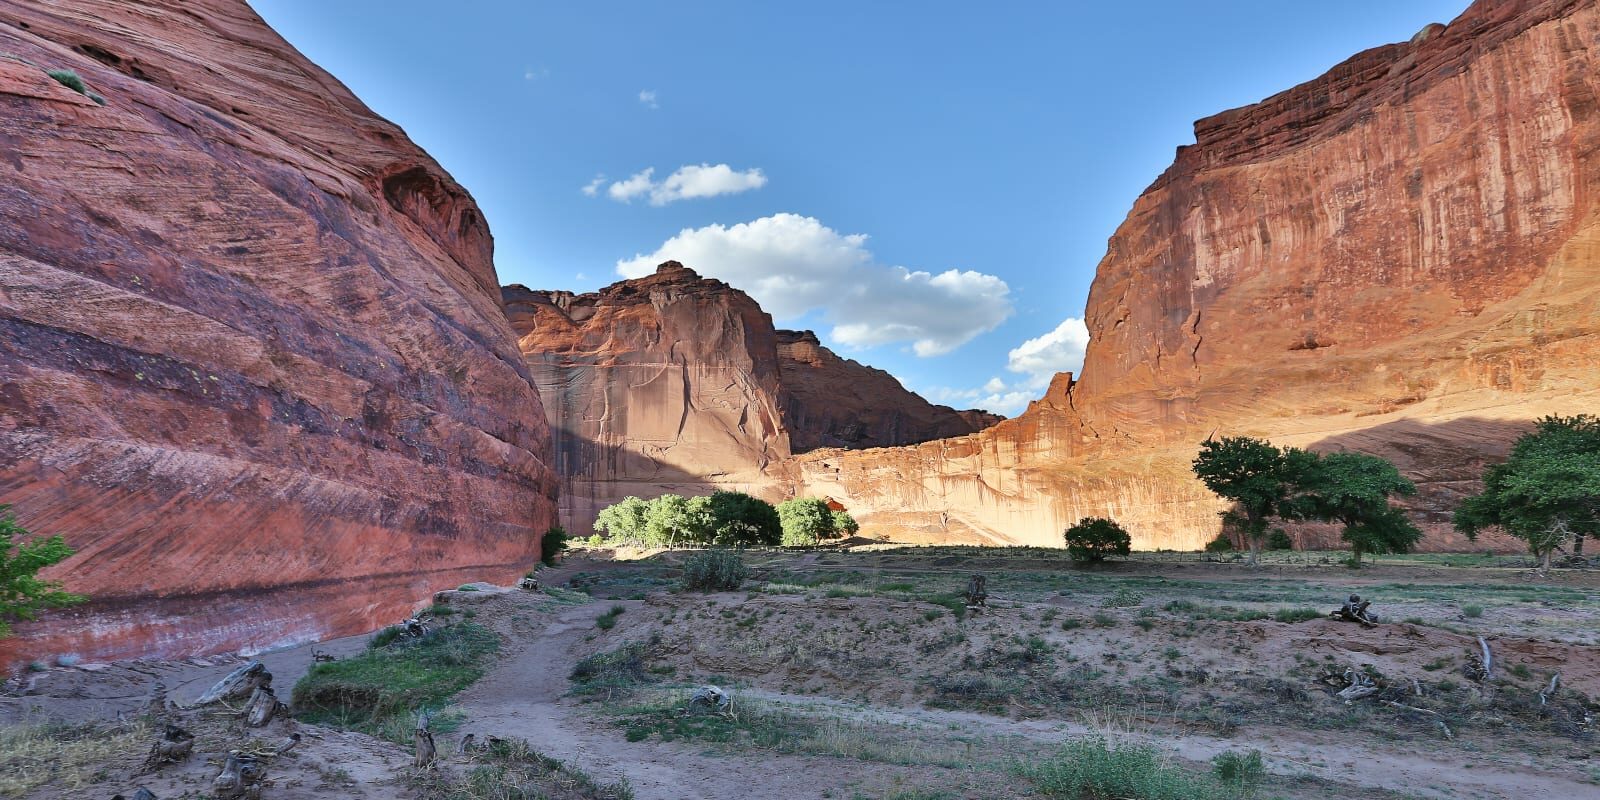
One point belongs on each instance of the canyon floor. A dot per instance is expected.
(861, 674)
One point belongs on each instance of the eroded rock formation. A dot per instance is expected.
(253, 364)
(1401, 256)
(677, 383)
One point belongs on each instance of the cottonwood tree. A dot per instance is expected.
(1547, 492)
(1354, 489)
(737, 518)
(623, 520)
(806, 521)
(22, 594)
(1095, 538)
(844, 524)
(1256, 475)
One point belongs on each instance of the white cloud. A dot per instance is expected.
(636, 185)
(647, 98)
(1060, 350)
(531, 74)
(994, 385)
(592, 188)
(687, 182)
(793, 265)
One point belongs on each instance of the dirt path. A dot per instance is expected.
(524, 697)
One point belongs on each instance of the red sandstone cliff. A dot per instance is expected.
(254, 364)
(1401, 256)
(677, 383)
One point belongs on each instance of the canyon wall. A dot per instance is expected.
(673, 383)
(254, 365)
(1401, 256)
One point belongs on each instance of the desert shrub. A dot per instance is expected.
(69, 79)
(394, 679)
(1093, 768)
(714, 571)
(1296, 614)
(1278, 539)
(1123, 597)
(1238, 771)
(69, 756)
(1221, 544)
(608, 620)
(1095, 538)
(22, 594)
(619, 668)
(806, 521)
(508, 769)
(1472, 611)
(551, 544)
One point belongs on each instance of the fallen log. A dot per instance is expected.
(239, 684)
(423, 739)
(1438, 718)
(1550, 691)
(262, 707)
(1488, 658)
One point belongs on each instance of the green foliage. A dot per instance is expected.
(508, 769)
(551, 544)
(620, 668)
(723, 519)
(1354, 489)
(1238, 771)
(69, 79)
(1256, 475)
(1472, 611)
(1095, 769)
(844, 524)
(1279, 539)
(608, 620)
(22, 594)
(1547, 491)
(392, 680)
(714, 571)
(806, 521)
(1221, 544)
(1094, 538)
(1296, 614)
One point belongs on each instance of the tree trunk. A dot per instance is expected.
(1577, 544)
(1355, 556)
(263, 704)
(1258, 528)
(1544, 559)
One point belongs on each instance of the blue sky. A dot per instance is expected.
(929, 186)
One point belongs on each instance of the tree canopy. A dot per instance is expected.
(724, 518)
(1354, 489)
(806, 521)
(1546, 492)
(22, 594)
(1256, 475)
(1095, 538)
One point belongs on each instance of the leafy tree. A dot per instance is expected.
(1278, 539)
(1094, 538)
(1546, 492)
(1354, 489)
(806, 521)
(737, 518)
(551, 544)
(673, 520)
(623, 520)
(1257, 476)
(22, 594)
(844, 524)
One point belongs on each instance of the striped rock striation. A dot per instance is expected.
(254, 365)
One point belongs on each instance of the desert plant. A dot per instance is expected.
(1094, 538)
(551, 544)
(1221, 544)
(806, 521)
(1094, 768)
(608, 620)
(1547, 492)
(714, 571)
(1279, 539)
(22, 594)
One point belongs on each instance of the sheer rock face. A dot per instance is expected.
(837, 402)
(677, 383)
(254, 365)
(1401, 257)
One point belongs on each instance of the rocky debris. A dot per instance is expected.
(243, 315)
(1398, 257)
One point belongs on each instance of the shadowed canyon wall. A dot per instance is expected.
(1401, 256)
(673, 383)
(254, 364)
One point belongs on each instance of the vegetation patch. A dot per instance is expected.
(65, 756)
(1094, 768)
(379, 691)
(508, 769)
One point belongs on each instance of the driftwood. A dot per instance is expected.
(239, 684)
(174, 745)
(262, 707)
(977, 592)
(425, 750)
(1438, 719)
(319, 657)
(1356, 610)
(240, 777)
(139, 794)
(1549, 692)
(468, 745)
(528, 584)
(711, 697)
(1487, 662)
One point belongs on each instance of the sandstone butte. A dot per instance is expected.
(673, 383)
(1401, 256)
(254, 365)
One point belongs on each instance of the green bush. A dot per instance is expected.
(806, 521)
(1094, 538)
(714, 571)
(1279, 540)
(1297, 614)
(1221, 544)
(22, 594)
(551, 544)
(1238, 771)
(726, 519)
(619, 668)
(1094, 769)
(69, 79)
(1472, 612)
(608, 620)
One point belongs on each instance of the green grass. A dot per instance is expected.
(379, 691)
(608, 620)
(1297, 614)
(510, 770)
(622, 668)
(1096, 769)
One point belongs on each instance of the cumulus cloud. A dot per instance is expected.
(686, 183)
(793, 264)
(1037, 360)
(592, 188)
(1060, 350)
(647, 98)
